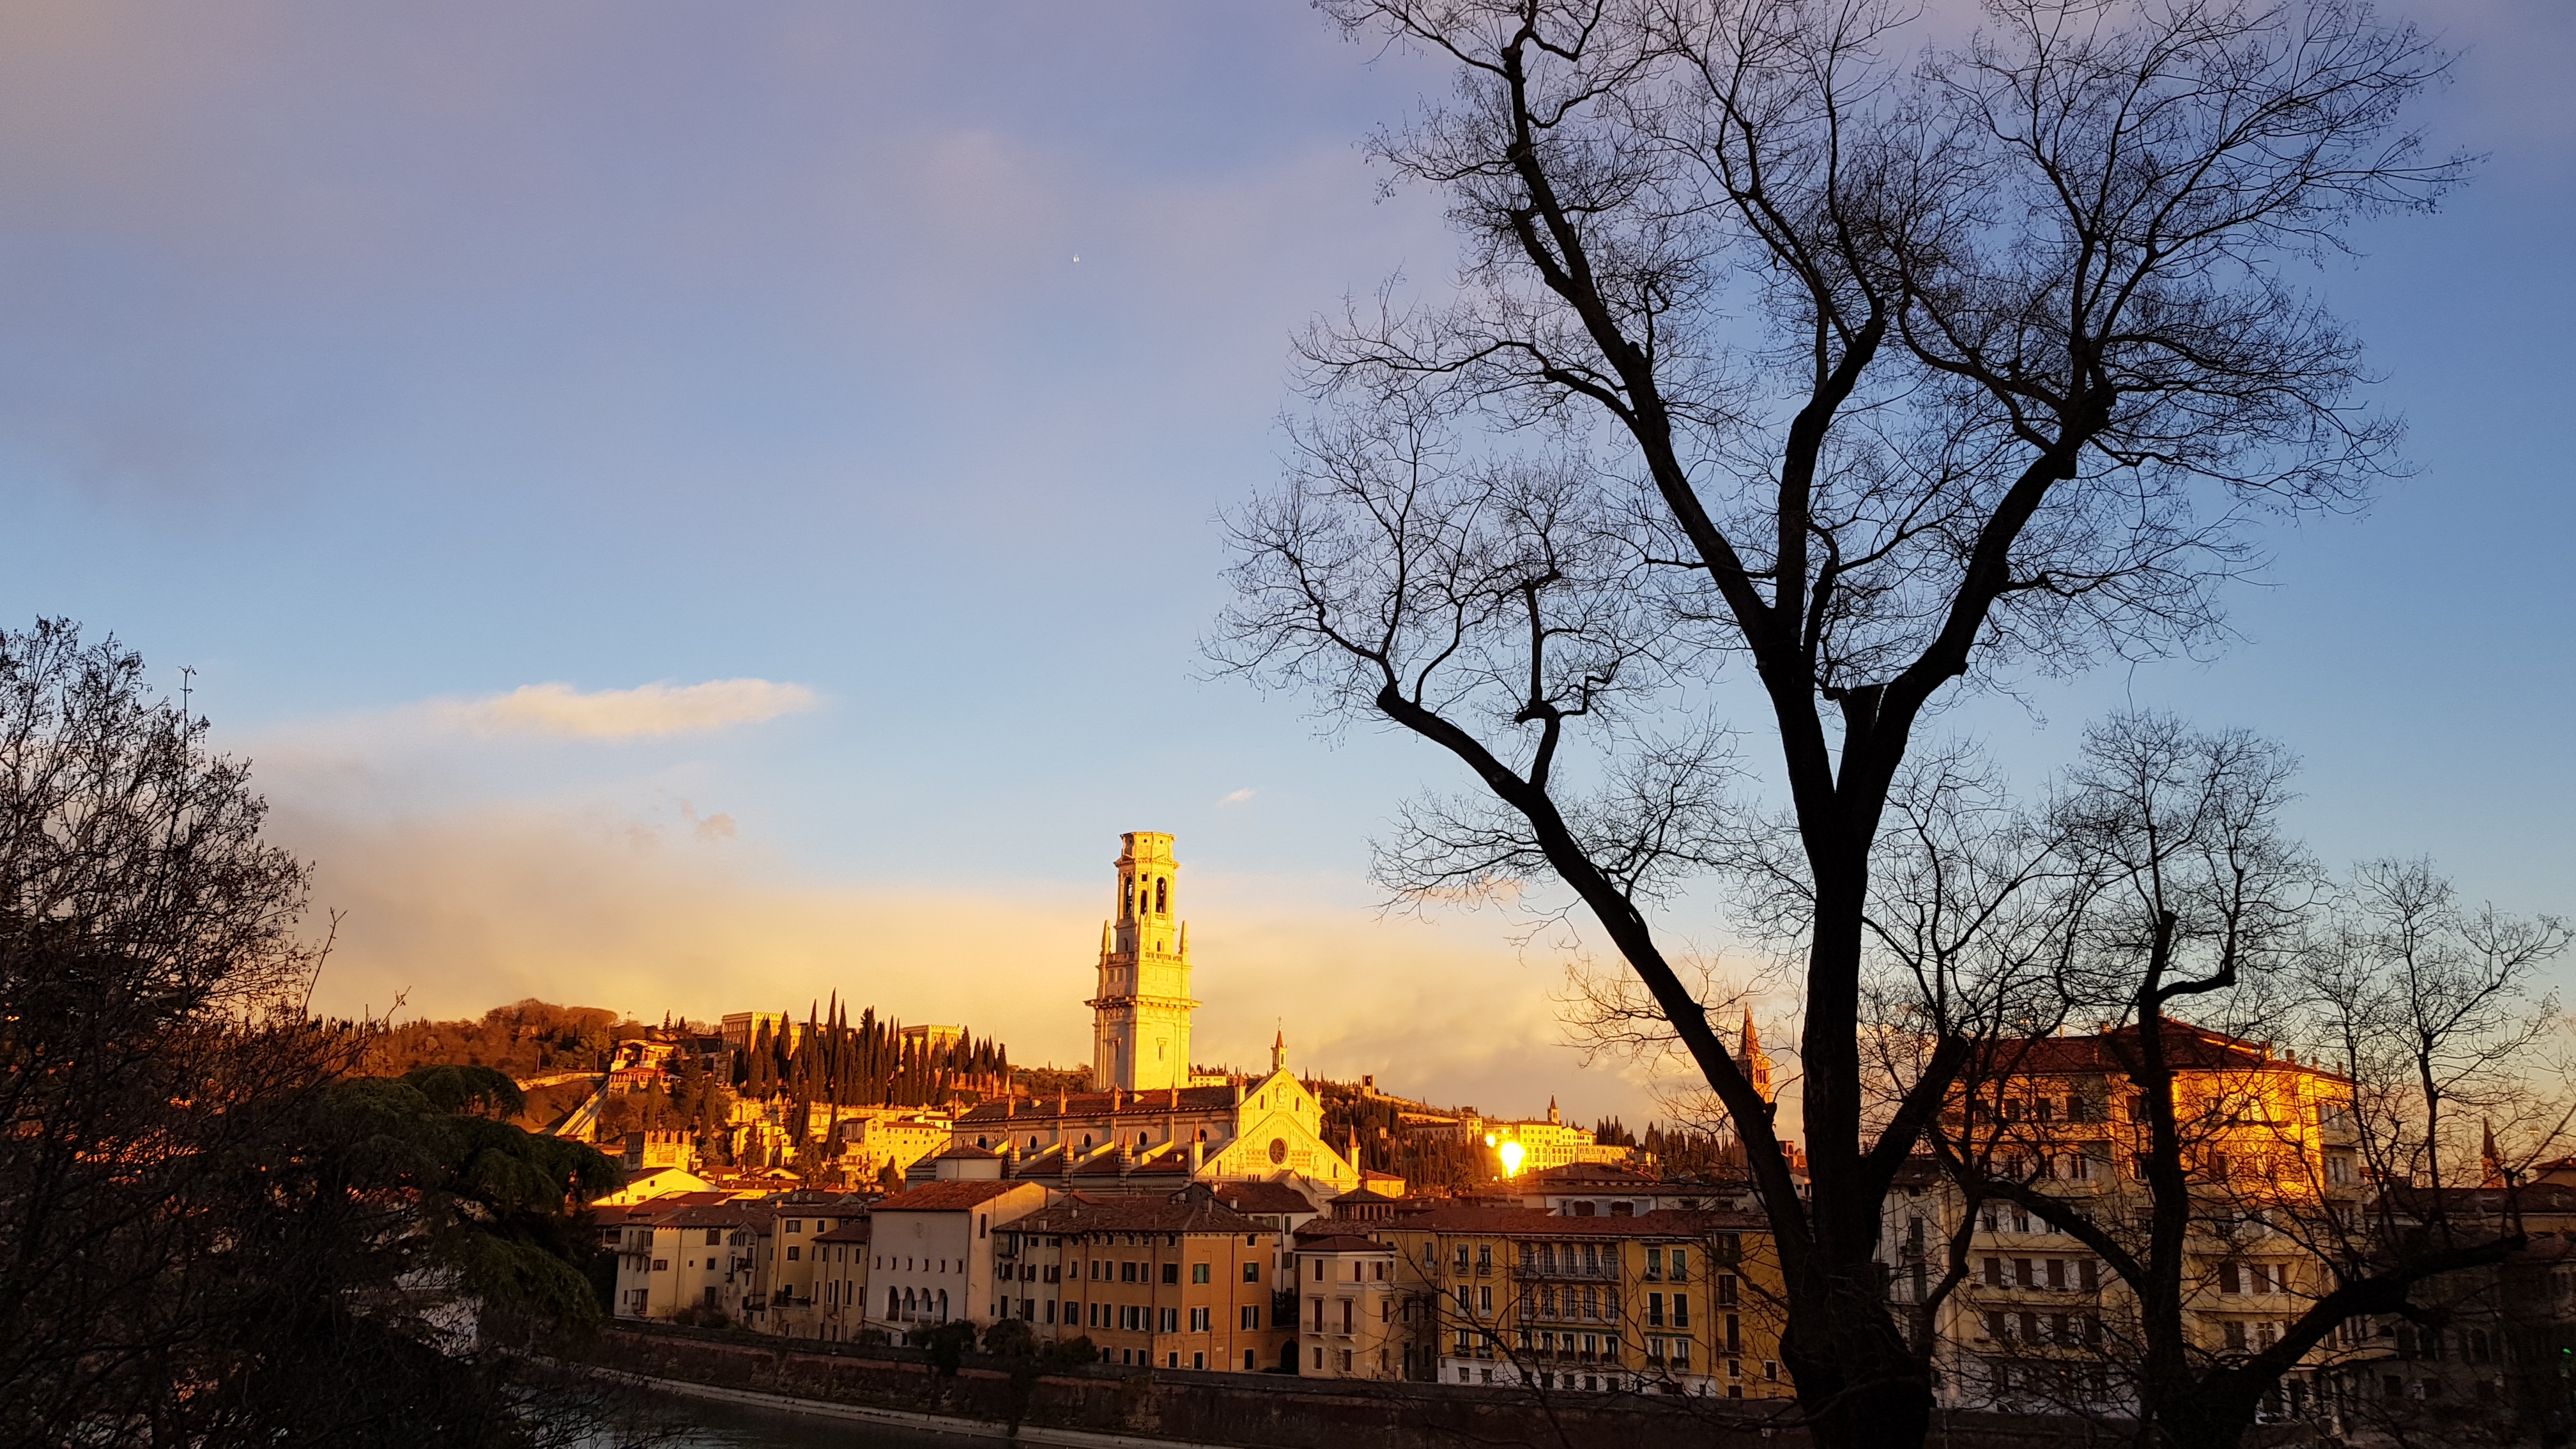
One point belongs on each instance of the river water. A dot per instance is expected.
(713, 1424)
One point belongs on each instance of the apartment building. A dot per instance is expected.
(2041, 1325)
(1348, 1292)
(840, 1256)
(699, 1259)
(932, 1252)
(1175, 1281)
(792, 1263)
(1662, 1302)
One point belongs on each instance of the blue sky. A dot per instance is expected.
(382, 361)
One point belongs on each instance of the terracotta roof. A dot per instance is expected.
(1106, 1104)
(1530, 1223)
(1261, 1197)
(951, 1196)
(714, 1215)
(1343, 1243)
(1590, 1174)
(853, 1231)
(2186, 1048)
(968, 1152)
(1179, 1213)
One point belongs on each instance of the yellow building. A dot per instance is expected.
(841, 1273)
(1348, 1291)
(1176, 1281)
(1661, 1302)
(792, 1297)
(2271, 1153)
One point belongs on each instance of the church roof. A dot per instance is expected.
(1591, 1175)
(1261, 1197)
(1175, 1213)
(949, 1196)
(1343, 1243)
(1157, 1103)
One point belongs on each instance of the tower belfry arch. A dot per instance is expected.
(1140, 1012)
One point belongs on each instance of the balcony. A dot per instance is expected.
(1541, 1271)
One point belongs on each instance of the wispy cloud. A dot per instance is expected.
(647, 711)
(1238, 797)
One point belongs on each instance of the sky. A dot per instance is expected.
(695, 508)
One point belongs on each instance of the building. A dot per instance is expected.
(923, 1040)
(1660, 1302)
(792, 1297)
(1155, 1127)
(696, 1260)
(842, 1256)
(1348, 1292)
(874, 1139)
(1265, 1129)
(2039, 1325)
(1602, 1189)
(1140, 1034)
(931, 1252)
(650, 1151)
(1176, 1281)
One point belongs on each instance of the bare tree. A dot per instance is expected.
(1883, 379)
(208, 1235)
(2226, 1158)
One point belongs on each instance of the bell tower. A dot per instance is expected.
(1140, 1015)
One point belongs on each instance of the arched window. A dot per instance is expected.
(894, 1305)
(1144, 1138)
(1162, 896)
(1086, 1142)
(943, 1305)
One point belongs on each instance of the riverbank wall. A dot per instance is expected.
(1254, 1411)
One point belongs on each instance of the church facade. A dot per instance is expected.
(1153, 1125)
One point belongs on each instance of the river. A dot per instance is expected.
(712, 1424)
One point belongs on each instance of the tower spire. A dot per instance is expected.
(1279, 1050)
(1756, 1064)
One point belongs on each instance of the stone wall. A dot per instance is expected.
(1265, 1411)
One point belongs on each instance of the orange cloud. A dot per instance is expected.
(647, 711)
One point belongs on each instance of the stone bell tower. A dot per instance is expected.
(1140, 1015)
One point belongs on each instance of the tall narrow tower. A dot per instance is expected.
(1140, 1017)
(1755, 1061)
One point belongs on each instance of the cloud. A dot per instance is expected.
(647, 711)
(1238, 797)
(457, 911)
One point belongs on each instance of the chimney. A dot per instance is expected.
(1238, 1089)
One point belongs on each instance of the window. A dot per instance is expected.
(1172, 1273)
(1198, 1272)
(1171, 1320)
(1655, 1313)
(2088, 1275)
(2057, 1274)
(2231, 1280)
(1726, 1290)
(1680, 1266)
(1681, 1311)
(1251, 1317)
(1198, 1320)
(1484, 1259)
(1654, 1265)
(714, 1236)
(794, 1225)
(1485, 1302)
(1252, 1272)
(2022, 1275)
(661, 1265)
(1127, 1271)
(1994, 1272)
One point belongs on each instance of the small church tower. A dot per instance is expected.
(1140, 1015)
(1751, 1057)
